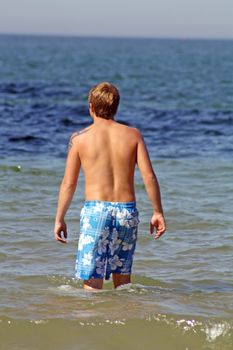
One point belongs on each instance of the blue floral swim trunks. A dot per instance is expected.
(108, 235)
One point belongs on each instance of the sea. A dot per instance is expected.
(179, 93)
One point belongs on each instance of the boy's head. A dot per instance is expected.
(104, 99)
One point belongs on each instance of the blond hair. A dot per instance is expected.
(105, 99)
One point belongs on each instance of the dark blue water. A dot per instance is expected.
(178, 92)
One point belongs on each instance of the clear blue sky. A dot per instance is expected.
(137, 18)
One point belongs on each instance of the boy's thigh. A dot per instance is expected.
(92, 247)
(121, 254)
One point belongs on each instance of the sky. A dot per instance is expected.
(120, 18)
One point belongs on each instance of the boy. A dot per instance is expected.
(107, 152)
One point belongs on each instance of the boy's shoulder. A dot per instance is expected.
(132, 131)
(76, 135)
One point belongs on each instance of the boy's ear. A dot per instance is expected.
(90, 106)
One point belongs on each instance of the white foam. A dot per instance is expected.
(216, 330)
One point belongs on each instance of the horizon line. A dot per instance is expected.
(99, 36)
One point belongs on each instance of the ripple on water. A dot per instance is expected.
(3, 257)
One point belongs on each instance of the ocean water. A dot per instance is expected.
(180, 94)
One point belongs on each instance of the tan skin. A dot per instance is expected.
(108, 153)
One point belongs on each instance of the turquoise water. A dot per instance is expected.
(179, 93)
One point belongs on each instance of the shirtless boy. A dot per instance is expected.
(108, 153)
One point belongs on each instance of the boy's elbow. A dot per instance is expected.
(68, 184)
(149, 178)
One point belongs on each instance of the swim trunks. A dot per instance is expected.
(108, 235)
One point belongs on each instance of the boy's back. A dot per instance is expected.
(108, 153)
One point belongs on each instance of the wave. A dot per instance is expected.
(26, 139)
(73, 122)
(19, 88)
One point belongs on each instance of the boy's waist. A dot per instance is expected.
(126, 205)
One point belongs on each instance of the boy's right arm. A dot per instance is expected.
(152, 188)
(67, 189)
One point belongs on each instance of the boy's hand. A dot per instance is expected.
(60, 231)
(158, 222)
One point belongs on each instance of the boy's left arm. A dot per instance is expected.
(67, 189)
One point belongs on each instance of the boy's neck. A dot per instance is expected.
(99, 120)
